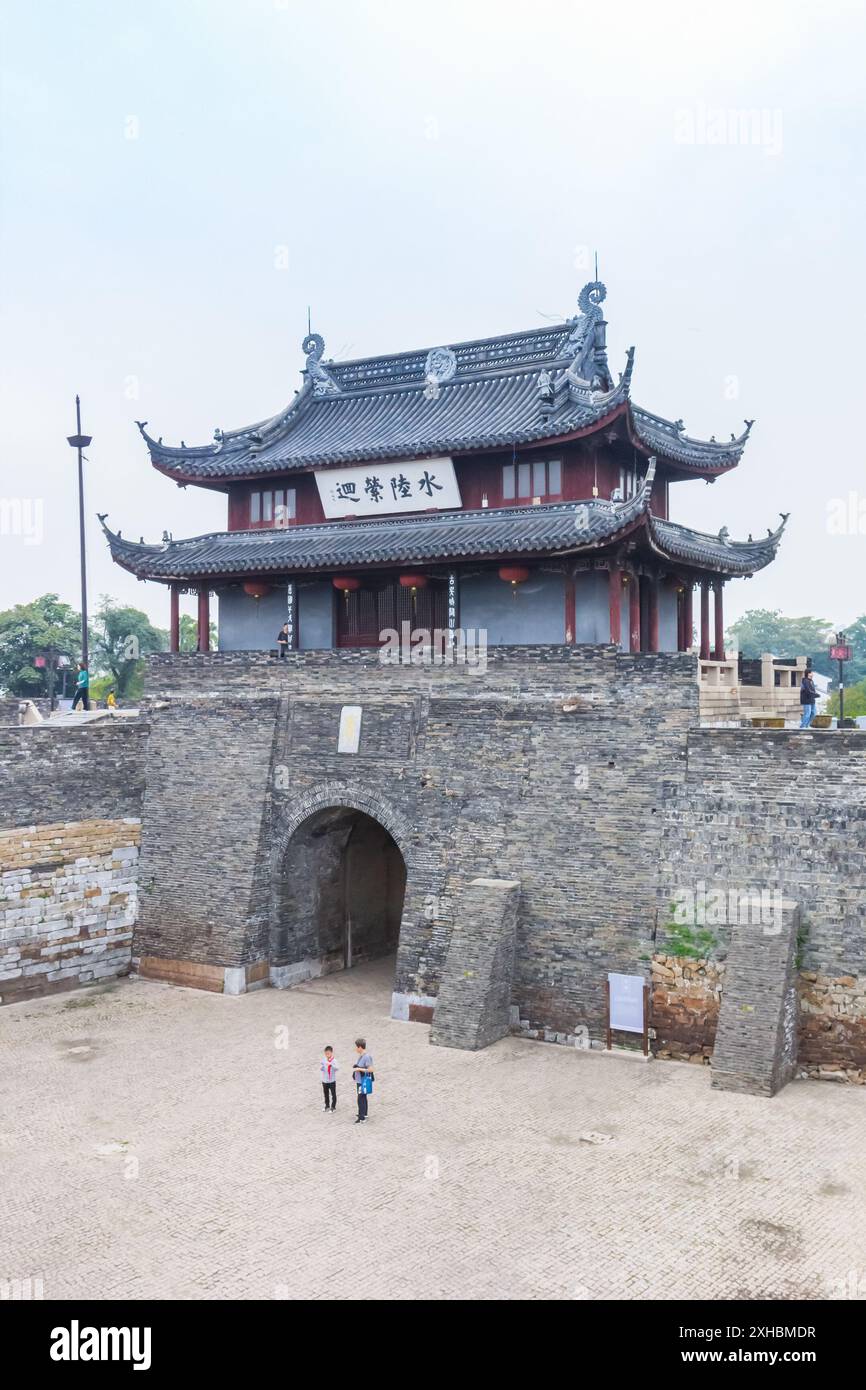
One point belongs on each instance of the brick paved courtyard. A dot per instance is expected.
(157, 1142)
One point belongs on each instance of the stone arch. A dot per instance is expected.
(328, 794)
(317, 874)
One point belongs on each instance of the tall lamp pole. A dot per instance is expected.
(80, 441)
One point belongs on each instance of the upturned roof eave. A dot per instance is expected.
(273, 468)
(599, 549)
(679, 546)
(249, 468)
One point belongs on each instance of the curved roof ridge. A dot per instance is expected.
(677, 429)
(534, 385)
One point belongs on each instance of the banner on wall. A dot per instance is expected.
(415, 485)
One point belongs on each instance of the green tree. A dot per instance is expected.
(121, 636)
(762, 630)
(25, 631)
(189, 634)
(855, 635)
(855, 700)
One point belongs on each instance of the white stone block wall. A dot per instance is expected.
(68, 904)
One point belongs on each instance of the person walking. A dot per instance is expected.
(283, 640)
(362, 1075)
(808, 699)
(329, 1068)
(82, 687)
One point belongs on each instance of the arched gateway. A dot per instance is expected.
(341, 881)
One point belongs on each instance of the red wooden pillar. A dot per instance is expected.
(705, 620)
(688, 617)
(614, 585)
(203, 619)
(719, 650)
(174, 620)
(634, 613)
(653, 613)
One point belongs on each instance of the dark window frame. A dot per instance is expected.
(519, 478)
(265, 505)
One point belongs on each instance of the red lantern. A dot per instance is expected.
(347, 584)
(414, 581)
(513, 575)
(257, 590)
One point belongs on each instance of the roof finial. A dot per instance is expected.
(309, 324)
(322, 381)
(596, 267)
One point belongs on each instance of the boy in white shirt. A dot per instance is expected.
(329, 1068)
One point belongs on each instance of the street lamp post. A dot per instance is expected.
(51, 654)
(841, 652)
(80, 442)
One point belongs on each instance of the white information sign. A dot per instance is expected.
(377, 489)
(626, 1002)
(349, 738)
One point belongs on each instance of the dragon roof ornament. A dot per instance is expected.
(323, 383)
(585, 344)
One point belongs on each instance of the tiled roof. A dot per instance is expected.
(522, 388)
(715, 552)
(563, 528)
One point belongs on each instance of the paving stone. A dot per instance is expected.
(230, 1182)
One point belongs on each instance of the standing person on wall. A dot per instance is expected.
(82, 687)
(808, 699)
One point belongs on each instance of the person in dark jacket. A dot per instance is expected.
(808, 699)
(283, 639)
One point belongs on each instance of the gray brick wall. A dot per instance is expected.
(779, 811)
(208, 764)
(541, 770)
(755, 1047)
(474, 1001)
(61, 774)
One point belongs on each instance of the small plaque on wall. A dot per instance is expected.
(349, 738)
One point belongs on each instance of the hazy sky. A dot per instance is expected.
(181, 179)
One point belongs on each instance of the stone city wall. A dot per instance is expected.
(70, 808)
(578, 772)
(540, 770)
(51, 773)
(832, 1032)
(68, 904)
(685, 1006)
(780, 814)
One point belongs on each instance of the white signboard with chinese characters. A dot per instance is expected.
(377, 489)
(626, 1002)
